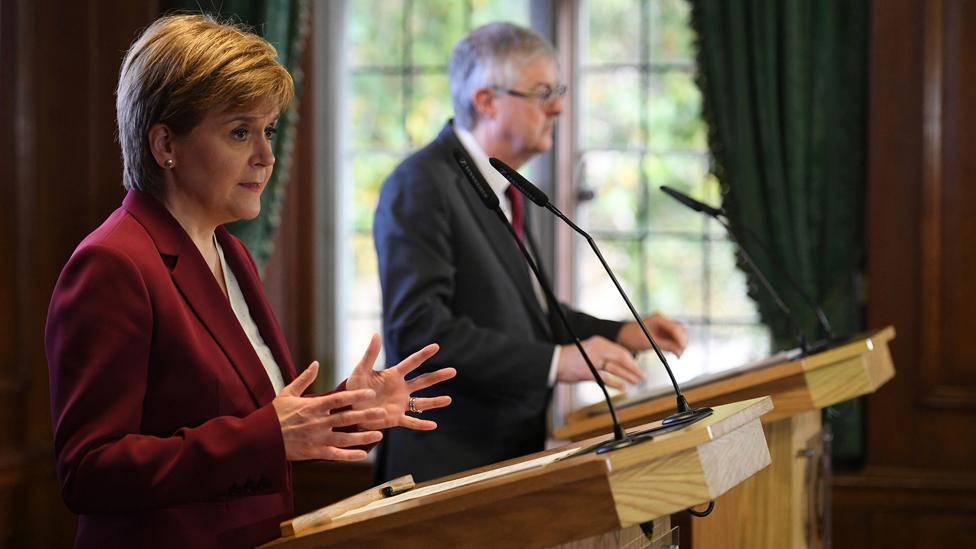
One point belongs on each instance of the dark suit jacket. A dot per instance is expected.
(452, 274)
(164, 432)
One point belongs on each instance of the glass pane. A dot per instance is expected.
(693, 362)
(357, 330)
(435, 25)
(612, 31)
(429, 108)
(713, 197)
(735, 345)
(599, 295)
(365, 297)
(685, 173)
(671, 38)
(486, 11)
(728, 286)
(615, 178)
(373, 40)
(611, 107)
(674, 275)
(368, 172)
(376, 118)
(674, 111)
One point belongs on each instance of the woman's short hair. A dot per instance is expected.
(491, 55)
(179, 68)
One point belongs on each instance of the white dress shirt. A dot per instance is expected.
(498, 183)
(243, 313)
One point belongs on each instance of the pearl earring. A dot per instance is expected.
(169, 163)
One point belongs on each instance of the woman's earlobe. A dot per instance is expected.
(161, 145)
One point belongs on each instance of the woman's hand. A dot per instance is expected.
(392, 391)
(307, 424)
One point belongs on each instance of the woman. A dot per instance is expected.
(175, 403)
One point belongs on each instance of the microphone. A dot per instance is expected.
(719, 214)
(490, 200)
(692, 203)
(685, 415)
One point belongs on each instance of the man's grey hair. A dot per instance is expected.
(491, 55)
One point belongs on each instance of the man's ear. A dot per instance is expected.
(484, 103)
(161, 143)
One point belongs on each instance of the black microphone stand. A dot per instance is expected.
(620, 438)
(685, 414)
(490, 200)
(720, 215)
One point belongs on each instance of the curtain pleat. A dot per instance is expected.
(784, 85)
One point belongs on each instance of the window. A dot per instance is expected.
(637, 109)
(639, 127)
(397, 100)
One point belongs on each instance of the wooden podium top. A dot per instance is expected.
(856, 368)
(564, 500)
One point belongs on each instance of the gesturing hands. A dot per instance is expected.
(392, 390)
(307, 424)
(373, 400)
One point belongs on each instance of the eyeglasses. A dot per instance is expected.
(546, 95)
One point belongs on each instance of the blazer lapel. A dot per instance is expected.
(250, 282)
(501, 240)
(201, 291)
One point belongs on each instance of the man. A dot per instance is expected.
(451, 272)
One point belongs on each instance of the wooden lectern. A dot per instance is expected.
(785, 505)
(535, 501)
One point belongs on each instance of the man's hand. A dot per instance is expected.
(613, 362)
(670, 335)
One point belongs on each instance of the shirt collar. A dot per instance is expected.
(495, 180)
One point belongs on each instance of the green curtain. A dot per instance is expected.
(284, 23)
(784, 86)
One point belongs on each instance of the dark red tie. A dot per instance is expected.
(518, 213)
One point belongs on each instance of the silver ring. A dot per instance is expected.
(412, 406)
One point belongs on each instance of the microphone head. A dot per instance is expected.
(690, 202)
(478, 183)
(531, 192)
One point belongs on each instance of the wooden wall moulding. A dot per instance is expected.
(907, 488)
(948, 266)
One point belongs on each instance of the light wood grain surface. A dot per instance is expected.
(856, 368)
(569, 500)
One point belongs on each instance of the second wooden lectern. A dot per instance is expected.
(785, 505)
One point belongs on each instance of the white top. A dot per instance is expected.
(498, 183)
(239, 305)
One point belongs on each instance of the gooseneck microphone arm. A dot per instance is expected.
(800, 337)
(720, 215)
(821, 315)
(490, 200)
(685, 412)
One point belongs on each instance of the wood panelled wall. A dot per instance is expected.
(61, 177)
(59, 64)
(918, 487)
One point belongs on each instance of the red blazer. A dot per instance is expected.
(164, 432)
